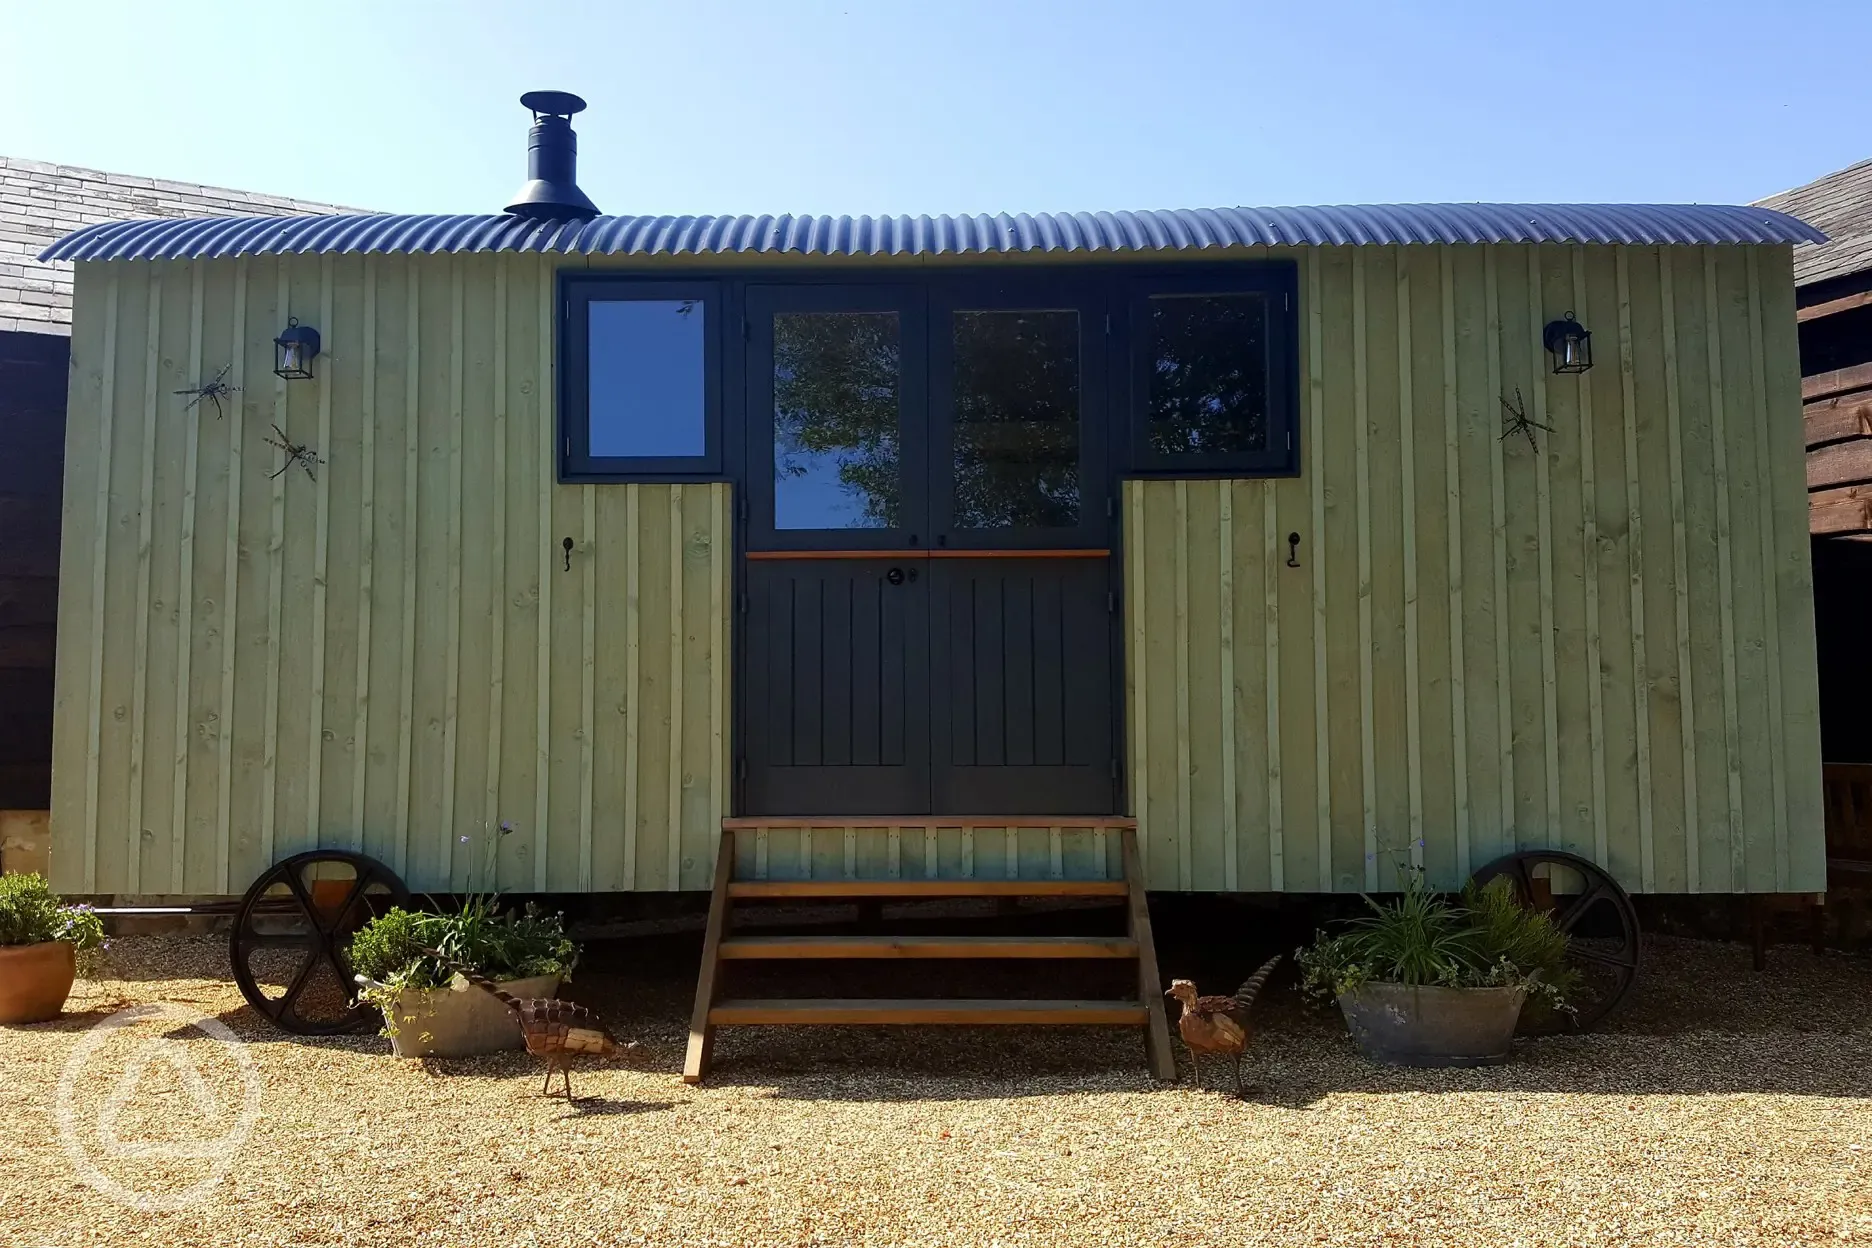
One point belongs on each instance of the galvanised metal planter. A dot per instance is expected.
(1422, 1025)
(445, 1022)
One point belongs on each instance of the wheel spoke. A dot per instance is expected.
(1602, 959)
(1569, 918)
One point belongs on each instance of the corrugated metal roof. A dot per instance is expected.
(1174, 230)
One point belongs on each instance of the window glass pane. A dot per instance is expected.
(1208, 374)
(647, 374)
(1016, 420)
(836, 379)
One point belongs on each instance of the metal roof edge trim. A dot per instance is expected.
(1174, 230)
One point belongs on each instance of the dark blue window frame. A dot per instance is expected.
(1277, 282)
(578, 292)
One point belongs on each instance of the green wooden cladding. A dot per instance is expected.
(393, 657)
(1605, 646)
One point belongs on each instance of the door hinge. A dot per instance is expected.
(747, 331)
(565, 446)
(740, 768)
(741, 603)
(741, 505)
(1111, 509)
(1290, 439)
(1286, 302)
(1114, 771)
(1108, 324)
(1111, 602)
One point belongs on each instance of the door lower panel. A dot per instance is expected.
(837, 687)
(1021, 717)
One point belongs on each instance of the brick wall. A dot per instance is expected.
(40, 203)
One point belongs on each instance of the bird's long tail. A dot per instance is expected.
(478, 980)
(1245, 995)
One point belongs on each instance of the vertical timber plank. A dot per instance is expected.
(1413, 723)
(633, 767)
(139, 704)
(230, 571)
(588, 675)
(321, 546)
(1271, 564)
(1680, 559)
(1452, 485)
(276, 568)
(1316, 431)
(497, 567)
(1543, 487)
(367, 543)
(451, 696)
(672, 868)
(1498, 528)
(1225, 624)
(1641, 685)
(185, 597)
(412, 455)
(1361, 444)
(1180, 607)
(1589, 537)
(548, 456)
(1764, 491)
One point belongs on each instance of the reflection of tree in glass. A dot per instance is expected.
(1016, 419)
(835, 398)
(1208, 389)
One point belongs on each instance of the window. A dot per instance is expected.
(1212, 379)
(640, 391)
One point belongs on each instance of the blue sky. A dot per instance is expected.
(952, 105)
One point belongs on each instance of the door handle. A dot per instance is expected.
(895, 576)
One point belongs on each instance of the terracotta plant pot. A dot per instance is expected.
(1421, 1025)
(441, 1022)
(35, 980)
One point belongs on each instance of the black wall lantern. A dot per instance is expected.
(293, 350)
(1570, 344)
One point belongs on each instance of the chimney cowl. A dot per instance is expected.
(551, 190)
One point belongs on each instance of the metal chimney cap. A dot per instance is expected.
(552, 103)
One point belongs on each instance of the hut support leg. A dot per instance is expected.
(701, 1031)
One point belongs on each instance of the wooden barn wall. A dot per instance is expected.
(1604, 646)
(392, 657)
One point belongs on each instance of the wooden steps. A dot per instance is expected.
(775, 947)
(1146, 1010)
(929, 1012)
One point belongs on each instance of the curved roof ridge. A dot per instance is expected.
(979, 234)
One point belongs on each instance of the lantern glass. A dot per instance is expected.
(294, 350)
(1570, 344)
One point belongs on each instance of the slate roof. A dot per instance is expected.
(1841, 205)
(41, 203)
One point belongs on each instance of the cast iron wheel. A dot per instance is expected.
(295, 922)
(1587, 904)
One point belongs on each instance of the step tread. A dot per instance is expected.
(777, 947)
(926, 888)
(927, 1011)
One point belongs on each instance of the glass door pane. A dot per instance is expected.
(834, 404)
(1015, 453)
(837, 394)
(1016, 411)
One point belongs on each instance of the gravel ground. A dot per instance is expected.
(1720, 1107)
